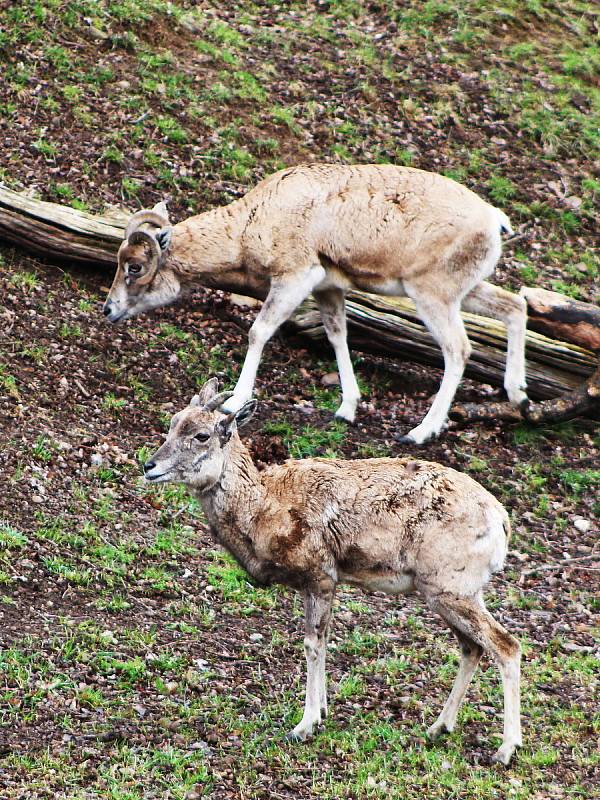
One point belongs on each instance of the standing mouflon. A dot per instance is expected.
(391, 525)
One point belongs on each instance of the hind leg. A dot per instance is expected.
(510, 309)
(470, 655)
(471, 618)
(446, 326)
(331, 304)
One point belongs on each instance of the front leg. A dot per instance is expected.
(285, 295)
(317, 604)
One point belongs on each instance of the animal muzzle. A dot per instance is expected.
(155, 472)
(112, 312)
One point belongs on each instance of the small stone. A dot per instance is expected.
(581, 267)
(331, 379)
(446, 765)
(96, 459)
(243, 301)
(573, 202)
(582, 525)
(256, 637)
(37, 498)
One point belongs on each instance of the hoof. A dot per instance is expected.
(436, 730)
(408, 439)
(233, 404)
(297, 736)
(504, 754)
(525, 407)
(346, 412)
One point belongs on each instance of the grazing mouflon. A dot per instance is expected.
(325, 229)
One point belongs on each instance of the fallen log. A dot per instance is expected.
(391, 327)
(377, 325)
(582, 401)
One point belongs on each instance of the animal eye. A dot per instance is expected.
(202, 437)
(134, 269)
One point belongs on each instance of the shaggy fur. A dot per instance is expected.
(391, 525)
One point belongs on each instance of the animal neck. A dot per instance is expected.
(207, 251)
(209, 242)
(233, 504)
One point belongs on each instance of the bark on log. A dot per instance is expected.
(561, 317)
(383, 326)
(583, 401)
(391, 327)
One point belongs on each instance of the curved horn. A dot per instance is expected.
(144, 217)
(142, 237)
(217, 401)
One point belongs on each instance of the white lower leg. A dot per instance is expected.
(283, 299)
(312, 703)
(244, 387)
(350, 390)
(446, 326)
(514, 377)
(322, 682)
(436, 416)
(510, 670)
(333, 313)
(447, 718)
(510, 309)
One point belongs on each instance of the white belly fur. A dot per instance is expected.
(336, 279)
(395, 583)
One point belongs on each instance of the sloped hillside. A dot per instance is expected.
(136, 660)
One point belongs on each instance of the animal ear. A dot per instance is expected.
(206, 393)
(161, 209)
(228, 424)
(245, 413)
(163, 237)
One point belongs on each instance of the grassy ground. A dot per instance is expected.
(136, 661)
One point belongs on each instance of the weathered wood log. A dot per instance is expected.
(561, 317)
(383, 326)
(391, 327)
(582, 401)
(60, 232)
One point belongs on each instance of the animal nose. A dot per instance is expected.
(149, 465)
(106, 310)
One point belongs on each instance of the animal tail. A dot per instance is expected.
(504, 222)
(500, 521)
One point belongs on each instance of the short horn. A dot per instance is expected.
(217, 401)
(143, 237)
(144, 218)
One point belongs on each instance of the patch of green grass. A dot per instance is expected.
(11, 538)
(8, 383)
(501, 189)
(69, 571)
(110, 402)
(171, 130)
(233, 583)
(24, 279)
